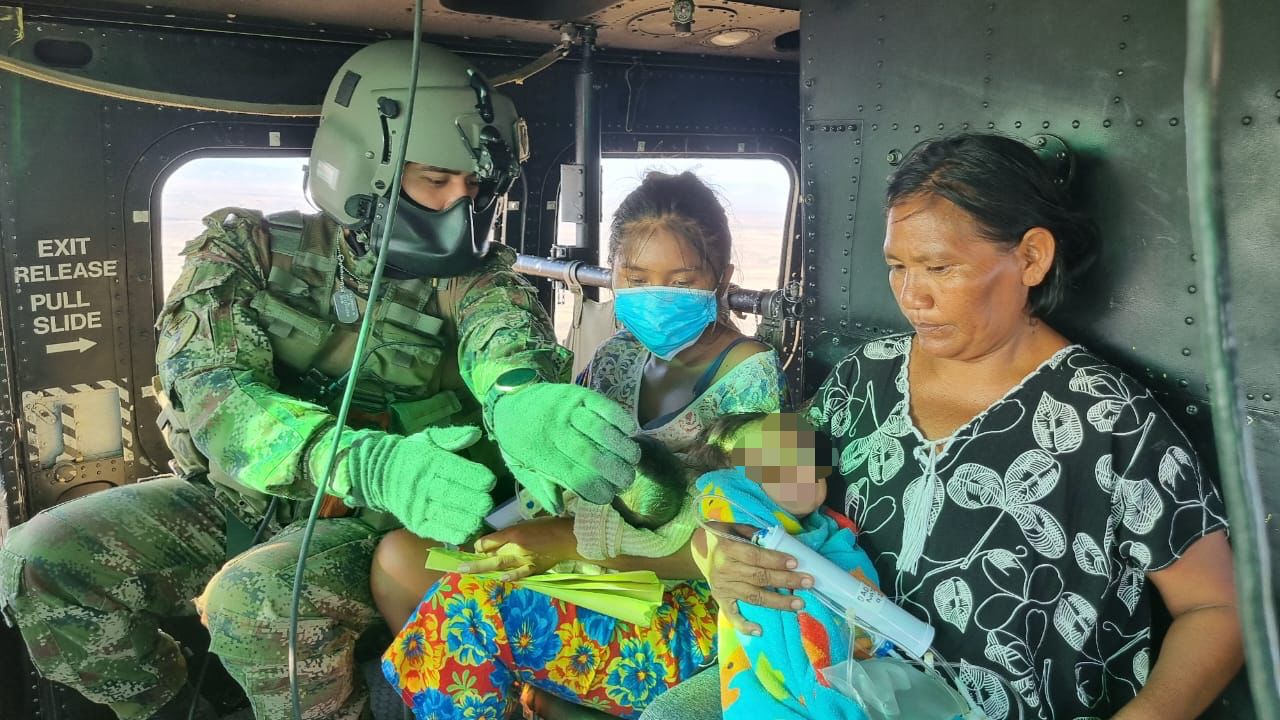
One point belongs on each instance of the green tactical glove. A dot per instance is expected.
(554, 434)
(419, 479)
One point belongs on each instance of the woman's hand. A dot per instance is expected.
(741, 571)
(527, 548)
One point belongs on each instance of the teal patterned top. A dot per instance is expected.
(756, 384)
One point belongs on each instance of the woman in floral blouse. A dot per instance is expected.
(678, 366)
(1012, 488)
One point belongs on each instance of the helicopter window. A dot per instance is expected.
(201, 186)
(756, 193)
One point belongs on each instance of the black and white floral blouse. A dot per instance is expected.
(1024, 537)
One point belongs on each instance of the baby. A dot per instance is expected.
(782, 453)
(776, 467)
(756, 442)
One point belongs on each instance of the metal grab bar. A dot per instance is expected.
(577, 273)
(1237, 469)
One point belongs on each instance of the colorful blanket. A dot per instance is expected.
(777, 675)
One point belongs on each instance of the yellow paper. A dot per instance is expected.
(446, 560)
(637, 609)
(632, 597)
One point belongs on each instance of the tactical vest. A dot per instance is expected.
(403, 373)
(408, 381)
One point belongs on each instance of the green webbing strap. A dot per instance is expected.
(411, 416)
(282, 319)
(286, 231)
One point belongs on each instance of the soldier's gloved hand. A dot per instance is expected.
(436, 493)
(554, 434)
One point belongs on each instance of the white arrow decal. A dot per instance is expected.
(80, 344)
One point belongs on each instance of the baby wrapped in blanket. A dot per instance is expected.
(779, 478)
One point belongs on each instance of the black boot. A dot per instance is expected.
(179, 707)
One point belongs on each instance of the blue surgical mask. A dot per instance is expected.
(665, 320)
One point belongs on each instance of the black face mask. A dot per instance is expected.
(426, 243)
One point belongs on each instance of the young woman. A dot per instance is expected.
(677, 366)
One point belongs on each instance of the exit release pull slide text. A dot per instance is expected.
(64, 311)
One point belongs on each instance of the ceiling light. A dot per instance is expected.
(732, 37)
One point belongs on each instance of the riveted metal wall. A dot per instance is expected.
(879, 77)
(65, 303)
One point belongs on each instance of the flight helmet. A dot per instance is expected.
(459, 123)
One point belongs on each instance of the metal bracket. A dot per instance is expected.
(1057, 157)
(573, 190)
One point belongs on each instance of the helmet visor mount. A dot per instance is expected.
(454, 240)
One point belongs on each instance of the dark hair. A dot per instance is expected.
(684, 206)
(714, 448)
(660, 488)
(663, 478)
(711, 450)
(1007, 190)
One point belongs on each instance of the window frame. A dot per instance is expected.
(171, 169)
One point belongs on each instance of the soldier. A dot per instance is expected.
(256, 340)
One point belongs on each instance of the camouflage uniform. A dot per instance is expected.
(251, 362)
